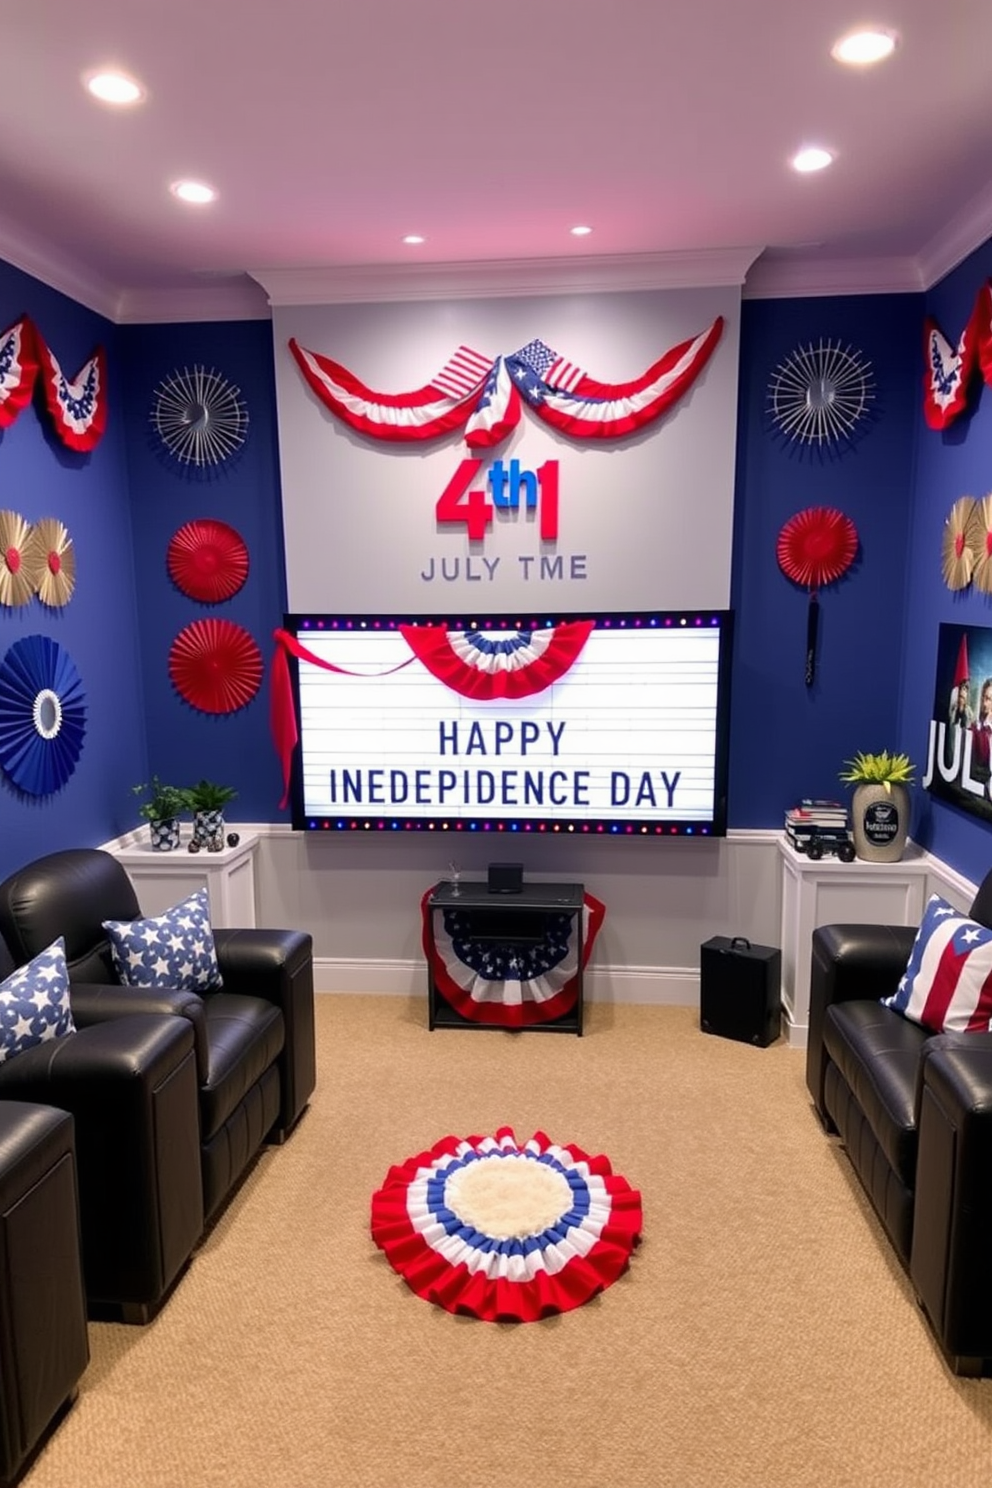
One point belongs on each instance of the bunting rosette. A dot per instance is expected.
(18, 369)
(488, 981)
(816, 547)
(207, 560)
(958, 553)
(503, 1231)
(52, 561)
(42, 715)
(215, 666)
(78, 408)
(979, 540)
(17, 571)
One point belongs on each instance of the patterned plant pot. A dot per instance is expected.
(165, 834)
(208, 830)
(880, 822)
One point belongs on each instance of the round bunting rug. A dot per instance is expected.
(506, 1232)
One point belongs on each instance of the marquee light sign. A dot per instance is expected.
(578, 723)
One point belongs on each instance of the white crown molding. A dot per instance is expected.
(794, 278)
(966, 231)
(243, 300)
(42, 261)
(368, 283)
(250, 296)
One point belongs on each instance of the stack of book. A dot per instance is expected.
(824, 820)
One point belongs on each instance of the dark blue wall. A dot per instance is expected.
(184, 743)
(39, 478)
(789, 740)
(949, 464)
(877, 646)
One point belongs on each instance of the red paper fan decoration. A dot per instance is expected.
(215, 665)
(207, 560)
(815, 547)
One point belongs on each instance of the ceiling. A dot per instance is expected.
(332, 128)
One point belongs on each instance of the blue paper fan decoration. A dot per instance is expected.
(42, 715)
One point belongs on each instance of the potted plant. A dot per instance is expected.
(880, 804)
(207, 801)
(161, 811)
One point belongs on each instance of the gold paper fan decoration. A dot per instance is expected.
(979, 540)
(958, 558)
(17, 577)
(52, 559)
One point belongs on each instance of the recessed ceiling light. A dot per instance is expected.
(414, 238)
(195, 192)
(862, 48)
(812, 158)
(580, 232)
(114, 87)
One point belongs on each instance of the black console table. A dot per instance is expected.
(507, 921)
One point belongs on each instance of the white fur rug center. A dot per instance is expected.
(508, 1197)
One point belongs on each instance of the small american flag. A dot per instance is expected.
(550, 367)
(462, 372)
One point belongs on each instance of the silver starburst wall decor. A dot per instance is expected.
(199, 416)
(820, 394)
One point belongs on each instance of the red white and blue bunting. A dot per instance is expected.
(950, 370)
(508, 984)
(76, 406)
(18, 370)
(502, 664)
(506, 1231)
(484, 395)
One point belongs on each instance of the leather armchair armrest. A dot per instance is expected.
(952, 1217)
(849, 963)
(130, 1085)
(93, 1003)
(278, 965)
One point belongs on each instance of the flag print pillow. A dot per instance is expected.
(175, 949)
(947, 985)
(34, 1002)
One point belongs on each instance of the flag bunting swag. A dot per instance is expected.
(483, 396)
(77, 406)
(950, 370)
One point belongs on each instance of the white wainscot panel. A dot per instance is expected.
(162, 879)
(830, 892)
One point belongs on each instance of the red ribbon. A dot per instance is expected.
(282, 708)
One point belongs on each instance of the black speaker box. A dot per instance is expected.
(740, 990)
(506, 878)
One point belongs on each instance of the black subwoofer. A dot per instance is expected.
(506, 878)
(740, 990)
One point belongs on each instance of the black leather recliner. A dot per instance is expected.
(253, 1039)
(914, 1112)
(44, 1347)
(130, 1086)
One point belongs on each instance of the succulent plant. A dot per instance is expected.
(879, 769)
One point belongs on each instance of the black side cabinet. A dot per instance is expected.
(518, 919)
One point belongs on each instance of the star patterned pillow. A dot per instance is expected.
(947, 985)
(175, 949)
(34, 1002)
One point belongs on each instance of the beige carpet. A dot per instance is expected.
(764, 1334)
